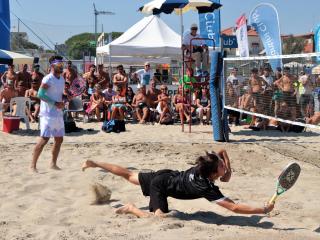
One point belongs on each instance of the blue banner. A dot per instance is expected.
(317, 41)
(264, 18)
(229, 41)
(210, 26)
(4, 25)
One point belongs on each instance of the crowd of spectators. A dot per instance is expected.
(278, 94)
(104, 98)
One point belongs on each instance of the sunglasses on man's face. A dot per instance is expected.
(147, 65)
(194, 29)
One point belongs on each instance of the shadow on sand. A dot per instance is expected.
(242, 221)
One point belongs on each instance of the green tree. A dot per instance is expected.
(84, 43)
(19, 41)
(293, 45)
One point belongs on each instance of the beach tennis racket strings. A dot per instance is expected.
(286, 180)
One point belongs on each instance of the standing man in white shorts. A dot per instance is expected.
(51, 115)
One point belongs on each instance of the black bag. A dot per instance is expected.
(120, 126)
(114, 126)
(108, 126)
(70, 126)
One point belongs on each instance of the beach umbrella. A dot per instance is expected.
(179, 6)
(8, 57)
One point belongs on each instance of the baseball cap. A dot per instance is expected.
(193, 25)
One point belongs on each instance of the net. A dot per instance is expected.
(280, 97)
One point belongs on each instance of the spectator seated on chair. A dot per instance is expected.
(7, 94)
(129, 99)
(152, 98)
(163, 107)
(35, 100)
(97, 102)
(118, 105)
(204, 106)
(67, 97)
(181, 104)
(109, 93)
(140, 104)
(152, 95)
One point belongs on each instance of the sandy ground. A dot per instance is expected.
(55, 204)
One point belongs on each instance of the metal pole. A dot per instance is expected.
(181, 25)
(95, 27)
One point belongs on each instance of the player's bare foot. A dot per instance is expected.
(88, 164)
(125, 209)
(33, 170)
(55, 167)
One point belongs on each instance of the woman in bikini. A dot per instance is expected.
(118, 105)
(97, 102)
(181, 105)
(164, 106)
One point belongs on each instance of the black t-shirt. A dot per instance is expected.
(190, 185)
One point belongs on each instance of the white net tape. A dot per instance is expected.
(290, 95)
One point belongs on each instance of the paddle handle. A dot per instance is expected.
(273, 199)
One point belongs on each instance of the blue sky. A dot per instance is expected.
(57, 20)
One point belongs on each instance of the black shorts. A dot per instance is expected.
(154, 184)
(142, 105)
(258, 98)
(289, 99)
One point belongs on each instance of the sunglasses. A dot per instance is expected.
(194, 29)
(147, 65)
(163, 88)
(59, 64)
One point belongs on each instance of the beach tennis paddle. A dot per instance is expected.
(286, 180)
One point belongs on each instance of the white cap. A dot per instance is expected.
(146, 63)
(194, 25)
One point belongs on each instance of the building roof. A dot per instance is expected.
(230, 31)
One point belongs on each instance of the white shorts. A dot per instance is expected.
(51, 127)
(159, 110)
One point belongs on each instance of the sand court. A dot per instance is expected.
(56, 204)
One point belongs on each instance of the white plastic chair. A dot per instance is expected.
(75, 105)
(21, 103)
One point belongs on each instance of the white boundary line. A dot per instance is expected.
(269, 117)
(303, 55)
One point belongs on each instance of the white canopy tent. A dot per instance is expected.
(148, 39)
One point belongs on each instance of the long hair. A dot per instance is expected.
(207, 165)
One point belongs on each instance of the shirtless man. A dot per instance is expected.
(21, 89)
(24, 76)
(36, 74)
(152, 95)
(9, 75)
(103, 77)
(7, 94)
(69, 73)
(140, 104)
(256, 84)
(91, 77)
(120, 80)
(286, 85)
(35, 100)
